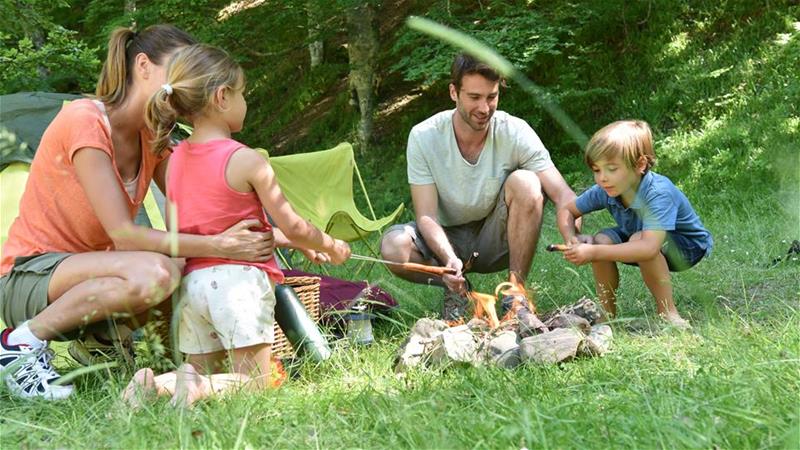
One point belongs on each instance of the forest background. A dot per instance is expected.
(717, 80)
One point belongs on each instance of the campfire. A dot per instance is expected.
(521, 336)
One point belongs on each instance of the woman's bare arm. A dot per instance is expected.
(96, 173)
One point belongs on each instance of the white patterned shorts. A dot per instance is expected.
(225, 307)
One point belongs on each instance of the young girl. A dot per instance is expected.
(227, 305)
(657, 228)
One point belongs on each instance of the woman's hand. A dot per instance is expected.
(579, 254)
(241, 243)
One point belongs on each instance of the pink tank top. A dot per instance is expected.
(206, 204)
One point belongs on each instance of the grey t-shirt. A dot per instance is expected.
(468, 192)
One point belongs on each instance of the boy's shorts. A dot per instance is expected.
(488, 237)
(23, 290)
(679, 251)
(225, 307)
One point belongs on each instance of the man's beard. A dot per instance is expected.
(467, 118)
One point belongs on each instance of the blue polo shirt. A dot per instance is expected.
(659, 205)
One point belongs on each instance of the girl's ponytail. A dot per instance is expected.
(161, 117)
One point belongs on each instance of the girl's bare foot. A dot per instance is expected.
(142, 387)
(189, 386)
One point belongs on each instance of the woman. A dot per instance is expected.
(88, 179)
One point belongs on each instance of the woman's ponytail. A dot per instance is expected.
(112, 84)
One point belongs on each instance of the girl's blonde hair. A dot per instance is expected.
(629, 139)
(194, 74)
(156, 41)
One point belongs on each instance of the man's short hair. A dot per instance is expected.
(465, 64)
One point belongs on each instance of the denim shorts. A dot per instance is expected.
(681, 253)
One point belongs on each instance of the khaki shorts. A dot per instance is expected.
(23, 290)
(225, 307)
(488, 237)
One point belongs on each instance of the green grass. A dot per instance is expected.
(730, 383)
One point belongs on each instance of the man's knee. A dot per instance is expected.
(396, 245)
(523, 189)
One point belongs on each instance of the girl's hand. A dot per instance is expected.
(456, 283)
(579, 254)
(340, 253)
(315, 256)
(240, 243)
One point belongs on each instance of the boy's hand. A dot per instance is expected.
(579, 254)
(340, 253)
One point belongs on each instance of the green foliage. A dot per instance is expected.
(36, 53)
(515, 30)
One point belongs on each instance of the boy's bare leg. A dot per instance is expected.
(656, 276)
(606, 279)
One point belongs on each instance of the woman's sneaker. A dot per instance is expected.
(28, 372)
(93, 349)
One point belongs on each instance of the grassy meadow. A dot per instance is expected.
(724, 108)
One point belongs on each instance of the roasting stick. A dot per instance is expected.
(414, 267)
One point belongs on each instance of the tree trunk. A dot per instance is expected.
(362, 50)
(34, 32)
(315, 47)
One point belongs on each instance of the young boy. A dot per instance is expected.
(657, 229)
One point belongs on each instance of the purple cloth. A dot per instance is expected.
(337, 295)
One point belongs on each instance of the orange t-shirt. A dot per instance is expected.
(54, 214)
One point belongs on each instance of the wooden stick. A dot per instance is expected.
(433, 270)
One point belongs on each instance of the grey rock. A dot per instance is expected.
(568, 320)
(503, 349)
(552, 347)
(584, 307)
(454, 345)
(598, 342)
(428, 328)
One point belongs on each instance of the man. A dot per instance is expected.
(478, 177)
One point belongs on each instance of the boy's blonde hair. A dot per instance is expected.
(194, 74)
(629, 139)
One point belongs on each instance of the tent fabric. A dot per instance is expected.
(319, 186)
(23, 118)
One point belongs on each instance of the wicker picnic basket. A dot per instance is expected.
(307, 290)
